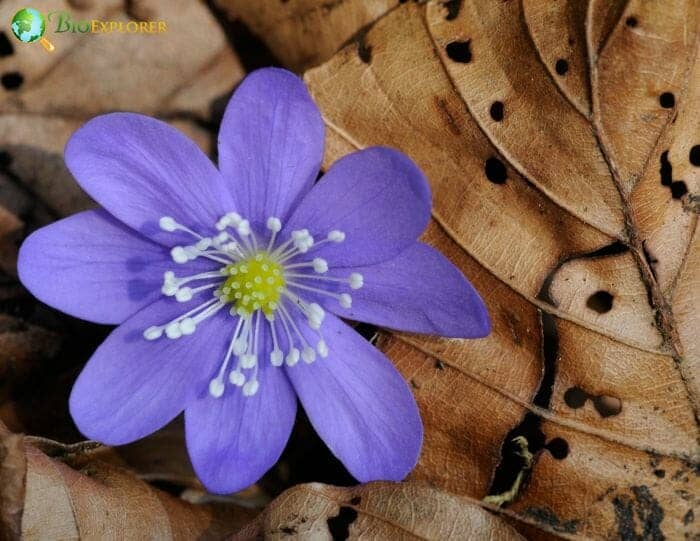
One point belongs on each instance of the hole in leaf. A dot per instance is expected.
(558, 448)
(496, 111)
(607, 406)
(339, 525)
(666, 171)
(694, 155)
(12, 80)
(667, 100)
(631, 21)
(575, 397)
(364, 51)
(678, 189)
(495, 171)
(6, 48)
(600, 301)
(660, 473)
(453, 7)
(356, 500)
(460, 51)
(561, 66)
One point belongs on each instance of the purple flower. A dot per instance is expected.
(228, 286)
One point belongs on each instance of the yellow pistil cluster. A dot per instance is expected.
(255, 283)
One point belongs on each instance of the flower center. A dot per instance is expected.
(255, 283)
(262, 282)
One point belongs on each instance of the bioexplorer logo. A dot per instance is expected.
(28, 26)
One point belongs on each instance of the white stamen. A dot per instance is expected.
(308, 355)
(274, 224)
(168, 224)
(322, 348)
(292, 357)
(356, 280)
(320, 265)
(336, 236)
(153, 333)
(216, 388)
(179, 255)
(250, 388)
(244, 297)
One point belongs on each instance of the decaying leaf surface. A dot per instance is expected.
(54, 491)
(304, 33)
(375, 511)
(50, 95)
(561, 142)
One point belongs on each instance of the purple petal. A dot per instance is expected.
(92, 267)
(270, 144)
(131, 386)
(234, 440)
(377, 197)
(419, 291)
(359, 405)
(141, 169)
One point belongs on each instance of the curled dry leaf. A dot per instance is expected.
(304, 33)
(561, 142)
(55, 491)
(45, 97)
(375, 511)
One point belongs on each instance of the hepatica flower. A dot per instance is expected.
(229, 285)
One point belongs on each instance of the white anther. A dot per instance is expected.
(248, 360)
(322, 348)
(168, 224)
(320, 265)
(250, 388)
(169, 276)
(299, 234)
(222, 223)
(236, 378)
(153, 333)
(169, 289)
(308, 355)
(179, 254)
(345, 300)
(336, 236)
(276, 357)
(184, 294)
(203, 244)
(239, 346)
(216, 388)
(292, 357)
(173, 331)
(356, 280)
(314, 323)
(316, 311)
(243, 228)
(234, 218)
(187, 326)
(274, 224)
(221, 238)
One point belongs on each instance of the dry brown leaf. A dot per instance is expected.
(180, 76)
(557, 138)
(71, 492)
(304, 33)
(375, 511)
